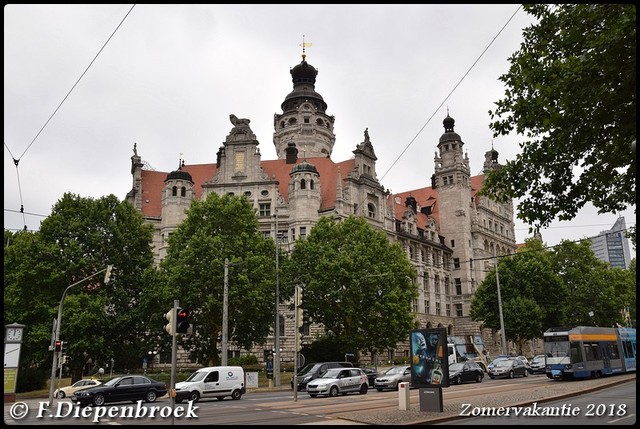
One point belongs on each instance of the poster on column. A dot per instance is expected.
(429, 360)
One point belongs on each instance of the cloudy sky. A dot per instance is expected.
(83, 83)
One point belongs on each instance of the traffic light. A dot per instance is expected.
(169, 326)
(182, 323)
(300, 334)
(58, 346)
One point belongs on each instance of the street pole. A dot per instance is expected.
(225, 312)
(58, 322)
(502, 333)
(296, 302)
(276, 364)
(174, 355)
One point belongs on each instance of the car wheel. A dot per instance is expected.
(98, 399)
(379, 389)
(333, 391)
(479, 378)
(194, 396)
(511, 374)
(313, 395)
(61, 395)
(364, 389)
(458, 380)
(236, 394)
(151, 396)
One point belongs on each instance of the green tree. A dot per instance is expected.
(571, 92)
(80, 238)
(216, 228)
(357, 284)
(529, 289)
(594, 287)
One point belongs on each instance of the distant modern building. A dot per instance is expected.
(612, 246)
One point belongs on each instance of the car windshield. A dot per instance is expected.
(456, 367)
(197, 376)
(504, 363)
(538, 359)
(307, 368)
(395, 370)
(332, 373)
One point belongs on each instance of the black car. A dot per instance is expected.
(461, 372)
(509, 368)
(372, 374)
(125, 388)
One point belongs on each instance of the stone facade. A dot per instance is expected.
(449, 233)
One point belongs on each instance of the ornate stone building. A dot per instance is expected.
(448, 232)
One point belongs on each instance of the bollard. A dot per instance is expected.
(404, 397)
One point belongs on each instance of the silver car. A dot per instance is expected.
(339, 381)
(390, 379)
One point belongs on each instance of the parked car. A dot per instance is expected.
(461, 372)
(118, 389)
(315, 370)
(524, 360)
(537, 365)
(509, 368)
(497, 358)
(372, 374)
(339, 381)
(63, 392)
(390, 379)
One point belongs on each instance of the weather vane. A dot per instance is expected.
(304, 45)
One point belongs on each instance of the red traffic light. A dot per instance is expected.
(182, 324)
(58, 346)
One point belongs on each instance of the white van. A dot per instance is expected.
(213, 382)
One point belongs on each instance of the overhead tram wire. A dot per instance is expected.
(451, 92)
(17, 161)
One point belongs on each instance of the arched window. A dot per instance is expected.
(174, 191)
(310, 184)
(371, 210)
(303, 184)
(183, 192)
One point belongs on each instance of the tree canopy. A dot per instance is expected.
(356, 283)
(80, 238)
(216, 228)
(571, 91)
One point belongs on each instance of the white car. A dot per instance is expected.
(339, 381)
(78, 385)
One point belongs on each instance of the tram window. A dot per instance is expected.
(576, 354)
(591, 351)
(613, 351)
(628, 349)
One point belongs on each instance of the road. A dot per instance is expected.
(278, 407)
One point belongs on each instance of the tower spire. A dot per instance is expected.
(304, 45)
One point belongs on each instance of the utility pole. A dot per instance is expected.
(225, 312)
(276, 363)
(502, 333)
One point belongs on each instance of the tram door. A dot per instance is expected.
(604, 352)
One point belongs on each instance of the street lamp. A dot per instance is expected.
(276, 339)
(152, 355)
(58, 322)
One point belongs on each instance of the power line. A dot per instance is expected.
(16, 161)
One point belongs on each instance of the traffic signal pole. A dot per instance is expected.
(174, 354)
(57, 322)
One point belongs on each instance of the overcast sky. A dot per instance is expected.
(170, 76)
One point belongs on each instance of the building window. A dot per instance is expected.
(293, 234)
(303, 232)
(456, 263)
(303, 184)
(436, 283)
(459, 310)
(453, 243)
(371, 209)
(264, 193)
(310, 184)
(458, 287)
(427, 307)
(174, 191)
(183, 192)
(438, 311)
(449, 310)
(265, 209)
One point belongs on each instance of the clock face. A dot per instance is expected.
(14, 334)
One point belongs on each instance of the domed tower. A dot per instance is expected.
(177, 195)
(304, 193)
(304, 120)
